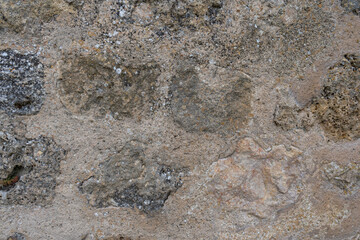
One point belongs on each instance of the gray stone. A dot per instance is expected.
(28, 168)
(21, 83)
(130, 179)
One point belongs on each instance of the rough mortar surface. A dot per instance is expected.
(193, 119)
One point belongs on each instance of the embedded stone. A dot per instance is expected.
(130, 179)
(28, 168)
(89, 83)
(21, 83)
(220, 104)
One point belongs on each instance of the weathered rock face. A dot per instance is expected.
(88, 83)
(28, 16)
(336, 109)
(129, 178)
(193, 119)
(21, 83)
(28, 167)
(216, 103)
(257, 182)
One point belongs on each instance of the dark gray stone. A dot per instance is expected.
(21, 83)
(28, 168)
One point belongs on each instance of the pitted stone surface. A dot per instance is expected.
(28, 167)
(193, 119)
(338, 109)
(130, 179)
(21, 83)
(90, 83)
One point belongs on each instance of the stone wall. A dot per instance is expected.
(194, 119)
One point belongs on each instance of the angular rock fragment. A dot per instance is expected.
(129, 179)
(21, 83)
(28, 168)
(92, 84)
(219, 103)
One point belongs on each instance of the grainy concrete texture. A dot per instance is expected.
(169, 119)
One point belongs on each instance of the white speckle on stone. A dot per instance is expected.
(212, 61)
(122, 13)
(118, 70)
(96, 214)
(4, 54)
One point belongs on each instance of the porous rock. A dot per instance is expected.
(338, 109)
(28, 167)
(21, 82)
(28, 15)
(90, 83)
(193, 119)
(130, 179)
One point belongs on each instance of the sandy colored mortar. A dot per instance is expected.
(195, 119)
